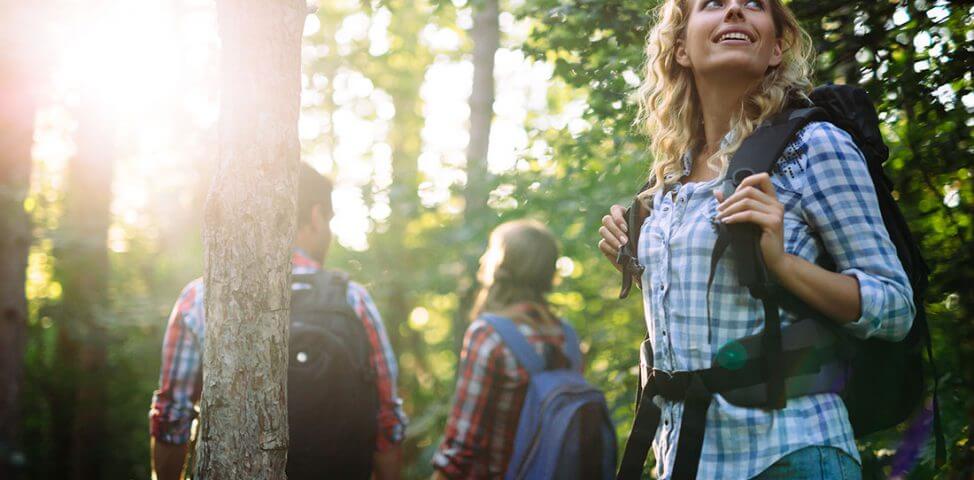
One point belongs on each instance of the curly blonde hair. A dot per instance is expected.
(669, 110)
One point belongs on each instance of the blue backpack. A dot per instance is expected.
(564, 431)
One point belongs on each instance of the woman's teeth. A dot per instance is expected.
(734, 36)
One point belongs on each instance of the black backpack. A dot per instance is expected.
(332, 397)
(881, 382)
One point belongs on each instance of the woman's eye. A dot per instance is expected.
(757, 4)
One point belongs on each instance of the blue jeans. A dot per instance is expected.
(814, 463)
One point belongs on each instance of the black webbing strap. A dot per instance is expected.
(774, 372)
(938, 429)
(690, 443)
(626, 257)
(640, 438)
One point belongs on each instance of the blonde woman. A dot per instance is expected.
(516, 272)
(715, 70)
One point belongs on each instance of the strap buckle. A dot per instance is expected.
(671, 385)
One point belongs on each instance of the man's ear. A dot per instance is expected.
(777, 54)
(681, 54)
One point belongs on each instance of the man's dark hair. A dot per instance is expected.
(313, 189)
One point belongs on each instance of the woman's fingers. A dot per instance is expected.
(614, 225)
(760, 181)
(610, 238)
(619, 215)
(608, 250)
(745, 205)
(746, 192)
(767, 221)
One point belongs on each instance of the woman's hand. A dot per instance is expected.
(614, 232)
(755, 201)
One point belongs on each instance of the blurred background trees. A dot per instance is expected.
(396, 106)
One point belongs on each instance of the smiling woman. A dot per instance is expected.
(715, 71)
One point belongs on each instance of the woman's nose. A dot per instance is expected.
(734, 11)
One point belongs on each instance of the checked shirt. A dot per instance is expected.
(172, 409)
(830, 206)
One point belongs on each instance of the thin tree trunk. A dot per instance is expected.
(249, 228)
(83, 270)
(16, 138)
(486, 41)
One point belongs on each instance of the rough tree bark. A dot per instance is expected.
(486, 40)
(16, 138)
(249, 224)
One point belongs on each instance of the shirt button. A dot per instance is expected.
(664, 333)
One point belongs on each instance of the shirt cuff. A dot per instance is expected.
(166, 431)
(870, 318)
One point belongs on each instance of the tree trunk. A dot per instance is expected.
(249, 228)
(486, 41)
(16, 138)
(83, 269)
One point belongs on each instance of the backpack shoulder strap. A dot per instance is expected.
(516, 343)
(761, 149)
(627, 253)
(572, 349)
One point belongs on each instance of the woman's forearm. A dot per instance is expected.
(833, 294)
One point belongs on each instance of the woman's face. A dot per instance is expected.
(730, 39)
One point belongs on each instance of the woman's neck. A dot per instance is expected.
(720, 100)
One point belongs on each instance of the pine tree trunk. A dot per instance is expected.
(16, 138)
(83, 269)
(249, 225)
(486, 41)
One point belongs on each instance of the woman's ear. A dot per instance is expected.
(777, 54)
(681, 54)
(318, 220)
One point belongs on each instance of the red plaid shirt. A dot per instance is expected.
(172, 409)
(479, 436)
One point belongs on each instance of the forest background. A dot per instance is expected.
(438, 120)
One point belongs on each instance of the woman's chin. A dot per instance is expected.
(733, 68)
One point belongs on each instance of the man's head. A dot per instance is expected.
(314, 212)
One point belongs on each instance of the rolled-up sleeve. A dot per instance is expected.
(839, 202)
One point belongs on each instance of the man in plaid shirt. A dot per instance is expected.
(180, 379)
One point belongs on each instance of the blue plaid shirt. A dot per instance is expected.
(830, 204)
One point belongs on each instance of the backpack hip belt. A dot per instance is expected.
(812, 358)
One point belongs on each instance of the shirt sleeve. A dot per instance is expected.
(172, 412)
(391, 418)
(466, 433)
(839, 202)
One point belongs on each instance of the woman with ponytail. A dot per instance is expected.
(516, 272)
